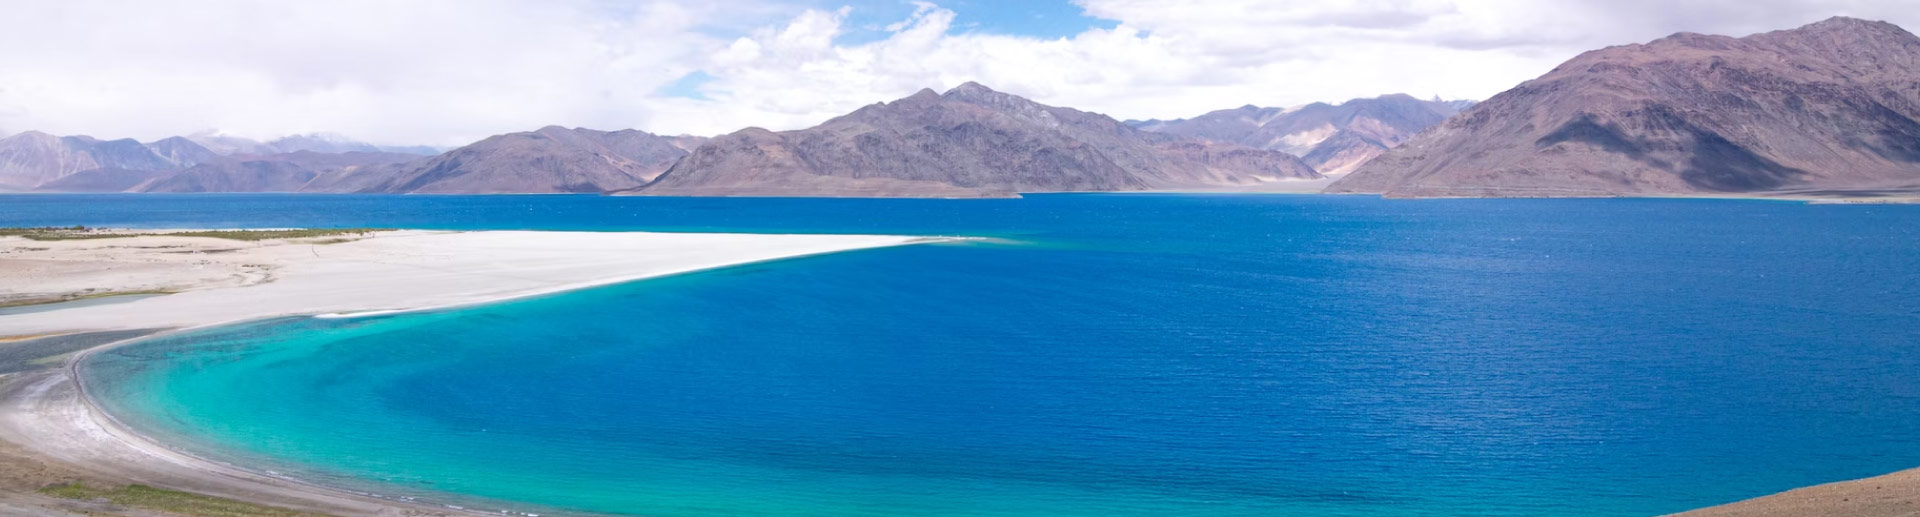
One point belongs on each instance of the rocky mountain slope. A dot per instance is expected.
(969, 142)
(285, 172)
(30, 159)
(1831, 106)
(1334, 139)
(103, 180)
(552, 159)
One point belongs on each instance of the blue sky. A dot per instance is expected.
(1046, 19)
(867, 21)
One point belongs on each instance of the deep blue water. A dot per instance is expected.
(1111, 354)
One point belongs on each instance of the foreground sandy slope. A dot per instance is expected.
(219, 280)
(1891, 495)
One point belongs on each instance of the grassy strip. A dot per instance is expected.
(171, 501)
(81, 232)
(48, 229)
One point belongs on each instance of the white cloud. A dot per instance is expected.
(1176, 59)
(427, 71)
(450, 71)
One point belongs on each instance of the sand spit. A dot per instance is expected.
(219, 280)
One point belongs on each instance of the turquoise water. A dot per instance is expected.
(1114, 355)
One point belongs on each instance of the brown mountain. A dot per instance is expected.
(285, 172)
(969, 142)
(30, 159)
(1334, 139)
(1829, 106)
(232, 176)
(103, 180)
(552, 159)
(367, 177)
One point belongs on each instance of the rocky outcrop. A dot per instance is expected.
(969, 142)
(1830, 106)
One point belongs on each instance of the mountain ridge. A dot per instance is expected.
(971, 141)
(1831, 105)
(32, 158)
(551, 159)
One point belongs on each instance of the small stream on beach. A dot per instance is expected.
(1103, 355)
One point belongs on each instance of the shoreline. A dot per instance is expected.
(52, 418)
(64, 389)
(49, 418)
(69, 374)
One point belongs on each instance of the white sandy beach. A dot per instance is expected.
(221, 281)
(51, 432)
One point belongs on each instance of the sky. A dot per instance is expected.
(448, 72)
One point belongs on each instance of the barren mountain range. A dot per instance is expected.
(1831, 106)
(971, 141)
(1333, 138)
(552, 159)
(284, 172)
(30, 159)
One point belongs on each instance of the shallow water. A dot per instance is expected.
(1140, 355)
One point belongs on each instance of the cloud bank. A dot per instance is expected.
(446, 72)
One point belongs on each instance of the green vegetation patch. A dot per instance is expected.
(44, 229)
(170, 501)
